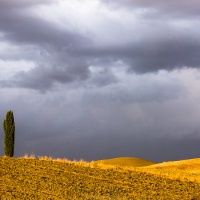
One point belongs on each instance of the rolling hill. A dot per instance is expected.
(44, 178)
(126, 162)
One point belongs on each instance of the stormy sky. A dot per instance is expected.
(97, 79)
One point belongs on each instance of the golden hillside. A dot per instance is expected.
(44, 178)
(182, 169)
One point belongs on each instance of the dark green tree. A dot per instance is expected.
(9, 134)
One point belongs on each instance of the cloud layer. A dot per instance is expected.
(65, 46)
(117, 77)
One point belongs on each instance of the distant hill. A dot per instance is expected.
(127, 162)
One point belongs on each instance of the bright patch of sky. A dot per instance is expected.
(10, 68)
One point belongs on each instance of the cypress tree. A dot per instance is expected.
(9, 134)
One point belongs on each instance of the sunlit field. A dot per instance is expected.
(47, 178)
(186, 170)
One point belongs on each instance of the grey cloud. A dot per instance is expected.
(16, 4)
(48, 47)
(26, 29)
(102, 77)
(44, 78)
(156, 8)
(152, 54)
(64, 56)
(140, 91)
(164, 54)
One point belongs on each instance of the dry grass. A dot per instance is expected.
(92, 164)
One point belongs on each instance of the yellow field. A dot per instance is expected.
(44, 178)
(186, 170)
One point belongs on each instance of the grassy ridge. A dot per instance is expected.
(127, 161)
(42, 179)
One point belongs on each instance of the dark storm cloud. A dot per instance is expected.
(48, 45)
(167, 44)
(43, 78)
(63, 55)
(23, 28)
(166, 54)
(152, 54)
